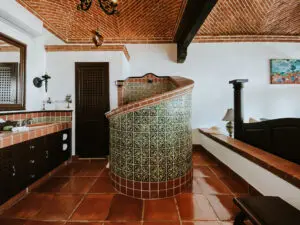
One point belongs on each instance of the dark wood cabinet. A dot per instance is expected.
(25, 163)
(7, 171)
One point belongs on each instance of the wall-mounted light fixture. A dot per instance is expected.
(38, 82)
(97, 38)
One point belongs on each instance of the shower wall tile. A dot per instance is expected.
(153, 144)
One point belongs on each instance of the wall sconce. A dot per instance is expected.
(38, 82)
(97, 38)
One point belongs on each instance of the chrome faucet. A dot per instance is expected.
(26, 122)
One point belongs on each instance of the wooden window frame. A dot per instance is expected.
(21, 79)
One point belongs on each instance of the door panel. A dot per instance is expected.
(6, 175)
(37, 159)
(20, 155)
(92, 102)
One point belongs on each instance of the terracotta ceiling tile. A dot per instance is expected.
(156, 21)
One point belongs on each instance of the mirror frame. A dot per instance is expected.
(21, 77)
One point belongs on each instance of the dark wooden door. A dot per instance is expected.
(92, 102)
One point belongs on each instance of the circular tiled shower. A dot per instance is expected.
(151, 146)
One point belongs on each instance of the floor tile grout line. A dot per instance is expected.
(143, 212)
(177, 210)
(109, 210)
(76, 207)
(218, 219)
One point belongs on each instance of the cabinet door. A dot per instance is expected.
(14, 170)
(6, 175)
(20, 158)
(37, 159)
(53, 146)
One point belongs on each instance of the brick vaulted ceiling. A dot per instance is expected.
(156, 21)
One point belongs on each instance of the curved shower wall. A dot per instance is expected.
(151, 139)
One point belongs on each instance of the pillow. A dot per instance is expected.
(252, 120)
(214, 130)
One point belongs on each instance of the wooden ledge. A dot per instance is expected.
(284, 169)
(183, 86)
(78, 48)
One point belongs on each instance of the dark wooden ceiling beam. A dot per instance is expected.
(194, 15)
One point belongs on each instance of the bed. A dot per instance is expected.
(280, 137)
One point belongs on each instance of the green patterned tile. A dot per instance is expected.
(141, 140)
(152, 144)
(145, 161)
(162, 173)
(145, 174)
(154, 173)
(141, 128)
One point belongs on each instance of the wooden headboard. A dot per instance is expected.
(280, 137)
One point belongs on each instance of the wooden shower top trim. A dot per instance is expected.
(183, 86)
(78, 48)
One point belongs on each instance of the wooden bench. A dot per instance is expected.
(266, 210)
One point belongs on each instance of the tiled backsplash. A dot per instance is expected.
(59, 120)
(39, 117)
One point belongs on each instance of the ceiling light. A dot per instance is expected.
(108, 6)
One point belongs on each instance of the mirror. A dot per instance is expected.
(12, 74)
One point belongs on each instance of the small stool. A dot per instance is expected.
(266, 210)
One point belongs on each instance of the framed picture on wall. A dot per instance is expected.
(285, 71)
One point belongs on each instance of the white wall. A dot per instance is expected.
(10, 57)
(213, 65)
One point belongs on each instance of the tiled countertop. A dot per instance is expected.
(285, 169)
(10, 138)
(34, 111)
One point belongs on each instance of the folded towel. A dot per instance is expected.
(20, 129)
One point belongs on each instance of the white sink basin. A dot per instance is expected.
(20, 129)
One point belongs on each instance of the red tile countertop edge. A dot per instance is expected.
(11, 138)
(285, 169)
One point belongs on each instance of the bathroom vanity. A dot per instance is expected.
(25, 157)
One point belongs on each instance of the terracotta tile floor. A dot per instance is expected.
(81, 193)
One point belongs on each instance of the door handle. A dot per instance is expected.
(47, 154)
(14, 171)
